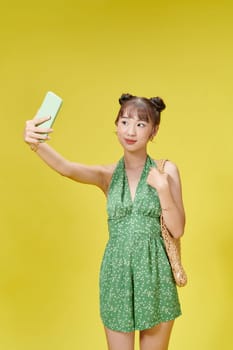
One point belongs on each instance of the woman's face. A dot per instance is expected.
(133, 133)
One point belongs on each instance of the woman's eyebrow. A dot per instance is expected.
(137, 120)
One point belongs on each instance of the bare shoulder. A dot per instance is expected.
(171, 168)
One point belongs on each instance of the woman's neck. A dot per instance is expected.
(135, 160)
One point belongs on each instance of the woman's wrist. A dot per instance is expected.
(34, 146)
(166, 200)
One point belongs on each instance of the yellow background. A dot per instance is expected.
(53, 231)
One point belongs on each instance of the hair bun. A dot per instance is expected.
(125, 97)
(158, 103)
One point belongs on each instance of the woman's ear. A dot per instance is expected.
(154, 132)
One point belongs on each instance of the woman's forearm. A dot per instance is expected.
(36, 138)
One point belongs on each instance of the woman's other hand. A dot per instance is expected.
(157, 179)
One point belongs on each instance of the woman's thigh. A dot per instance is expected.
(156, 338)
(119, 340)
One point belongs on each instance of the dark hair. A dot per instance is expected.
(144, 108)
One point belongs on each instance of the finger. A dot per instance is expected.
(30, 127)
(35, 137)
(38, 121)
(30, 141)
(31, 124)
(39, 130)
(39, 136)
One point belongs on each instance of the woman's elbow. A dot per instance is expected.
(179, 231)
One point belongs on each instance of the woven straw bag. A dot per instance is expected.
(172, 246)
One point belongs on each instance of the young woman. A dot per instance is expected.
(137, 289)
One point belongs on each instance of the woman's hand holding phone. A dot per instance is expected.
(37, 129)
(34, 134)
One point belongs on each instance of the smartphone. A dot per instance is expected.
(49, 108)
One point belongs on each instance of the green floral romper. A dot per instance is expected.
(137, 289)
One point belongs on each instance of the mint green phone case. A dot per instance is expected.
(49, 108)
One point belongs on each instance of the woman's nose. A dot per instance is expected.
(131, 130)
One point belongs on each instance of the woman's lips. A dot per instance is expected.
(130, 142)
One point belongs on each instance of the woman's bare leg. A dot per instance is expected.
(156, 338)
(119, 340)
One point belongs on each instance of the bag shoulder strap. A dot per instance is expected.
(160, 164)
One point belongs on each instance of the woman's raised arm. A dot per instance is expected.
(35, 137)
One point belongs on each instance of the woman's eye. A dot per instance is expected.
(142, 125)
(124, 122)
